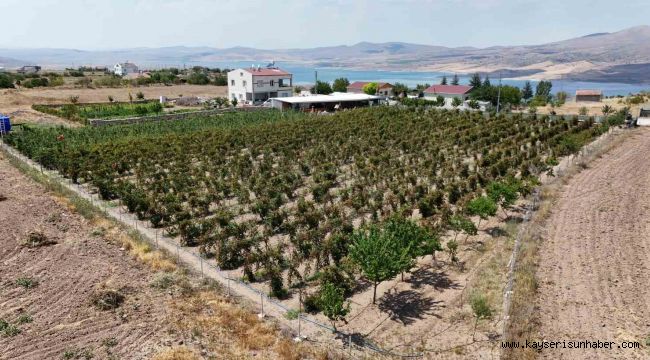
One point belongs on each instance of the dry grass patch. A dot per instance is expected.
(139, 249)
(107, 299)
(37, 238)
(230, 331)
(178, 353)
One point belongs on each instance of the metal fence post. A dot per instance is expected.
(201, 260)
(350, 344)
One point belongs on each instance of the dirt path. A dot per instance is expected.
(66, 275)
(595, 263)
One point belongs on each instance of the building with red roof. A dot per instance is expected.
(589, 95)
(258, 84)
(383, 88)
(448, 91)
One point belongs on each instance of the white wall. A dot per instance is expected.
(239, 83)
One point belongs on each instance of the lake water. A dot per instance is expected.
(305, 75)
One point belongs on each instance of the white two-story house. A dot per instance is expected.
(257, 84)
(126, 68)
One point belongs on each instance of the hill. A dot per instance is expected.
(619, 56)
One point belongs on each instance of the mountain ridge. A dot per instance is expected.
(606, 54)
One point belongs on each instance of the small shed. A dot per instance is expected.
(589, 95)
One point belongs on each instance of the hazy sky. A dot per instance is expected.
(110, 24)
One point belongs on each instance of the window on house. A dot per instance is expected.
(272, 82)
(260, 83)
(241, 74)
(244, 83)
(232, 82)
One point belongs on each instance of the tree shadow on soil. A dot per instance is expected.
(362, 285)
(438, 279)
(408, 306)
(496, 232)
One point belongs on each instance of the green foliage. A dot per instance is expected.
(583, 111)
(194, 177)
(332, 303)
(82, 112)
(26, 282)
(109, 81)
(221, 80)
(454, 80)
(504, 192)
(400, 89)
(139, 95)
(560, 98)
(378, 255)
(198, 78)
(475, 81)
(543, 91)
(486, 82)
(6, 81)
(35, 82)
(459, 223)
(24, 319)
(413, 240)
(474, 104)
(481, 307)
(607, 110)
(370, 88)
(509, 94)
(8, 330)
(452, 248)
(340, 85)
(456, 102)
(483, 207)
(443, 81)
(418, 102)
(322, 87)
(527, 91)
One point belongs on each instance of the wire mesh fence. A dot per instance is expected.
(304, 326)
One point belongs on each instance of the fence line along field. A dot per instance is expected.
(295, 201)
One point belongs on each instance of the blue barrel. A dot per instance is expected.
(5, 124)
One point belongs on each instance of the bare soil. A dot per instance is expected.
(67, 275)
(595, 261)
(17, 102)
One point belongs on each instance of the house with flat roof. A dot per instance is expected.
(383, 88)
(448, 92)
(258, 84)
(589, 95)
(331, 102)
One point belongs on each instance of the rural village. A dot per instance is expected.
(283, 210)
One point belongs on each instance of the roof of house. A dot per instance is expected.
(588, 93)
(449, 89)
(334, 97)
(266, 71)
(358, 85)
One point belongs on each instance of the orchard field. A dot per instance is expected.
(297, 200)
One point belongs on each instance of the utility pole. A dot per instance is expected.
(315, 82)
(499, 94)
